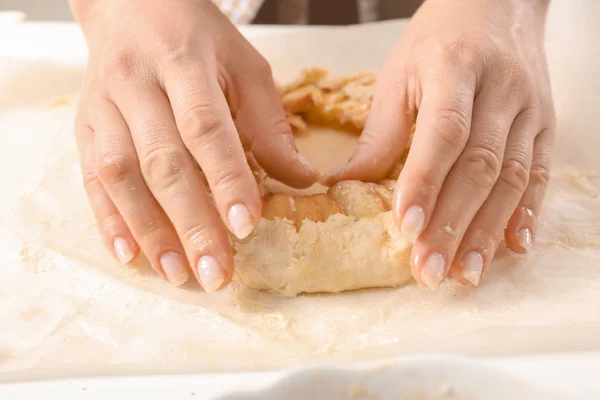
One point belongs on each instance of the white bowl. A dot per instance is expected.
(422, 378)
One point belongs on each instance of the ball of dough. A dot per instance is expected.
(339, 254)
(342, 240)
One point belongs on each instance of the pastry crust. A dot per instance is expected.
(341, 240)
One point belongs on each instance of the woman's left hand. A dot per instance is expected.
(475, 72)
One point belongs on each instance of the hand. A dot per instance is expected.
(479, 163)
(169, 86)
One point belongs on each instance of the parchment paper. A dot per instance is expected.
(67, 308)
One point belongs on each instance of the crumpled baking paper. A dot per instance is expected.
(67, 308)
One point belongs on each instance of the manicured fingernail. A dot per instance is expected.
(413, 222)
(472, 267)
(122, 250)
(211, 275)
(174, 267)
(240, 221)
(432, 272)
(307, 164)
(525, 239)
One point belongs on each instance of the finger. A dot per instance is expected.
(521, 229)
(466, 187)
(386, 132)
(119, 171)
(442, 129)
(113, 229)
(485, 232)
(174, 179)
(208, 131)
(263, 125)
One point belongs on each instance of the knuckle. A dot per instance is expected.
(198, 237)
(89, 177)
(110, 224)
(177, 53)
(262, 67)
(516, 70)
(173, 61)
(466, 50)
(514, 73)
(116, 168)
(228, 181)
(201, 124)
(368, 140)
(539, 175)
(154, 235)
(452, 127)
(481, 167)
(162, 167)
(548, 134)
(92, 185)
(461, 53)
(255, 66)
(122, 63)
(425, 181)
(487, 236)
(515, 174)
(452, 49)
(535, 99)
(450, 235)
(278, 125)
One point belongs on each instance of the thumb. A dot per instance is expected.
(263, 125)
(384, 137)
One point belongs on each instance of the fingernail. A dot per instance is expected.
(211, 275)
(174, 267)
(413, 222)
(307, 164)
(336, 170)
(122, 250)
(525, 239)
(432, 272)
(240, 221)
(472, 267)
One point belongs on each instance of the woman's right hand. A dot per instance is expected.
(169, 86)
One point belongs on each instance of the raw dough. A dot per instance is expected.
(340, 254)
(341, 240)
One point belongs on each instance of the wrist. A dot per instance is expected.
(542, 5)
(81, 9)
(539, 8)
(536, 8)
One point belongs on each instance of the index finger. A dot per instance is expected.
(386, 132)
(263, 124)
(207, 129)
(442, 129)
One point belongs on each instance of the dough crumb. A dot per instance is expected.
(327, 350)
(26, 255)
(277, 319)
(448, 229)
(58, 103)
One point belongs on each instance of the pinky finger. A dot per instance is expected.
(114, 231)
(520, 231)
